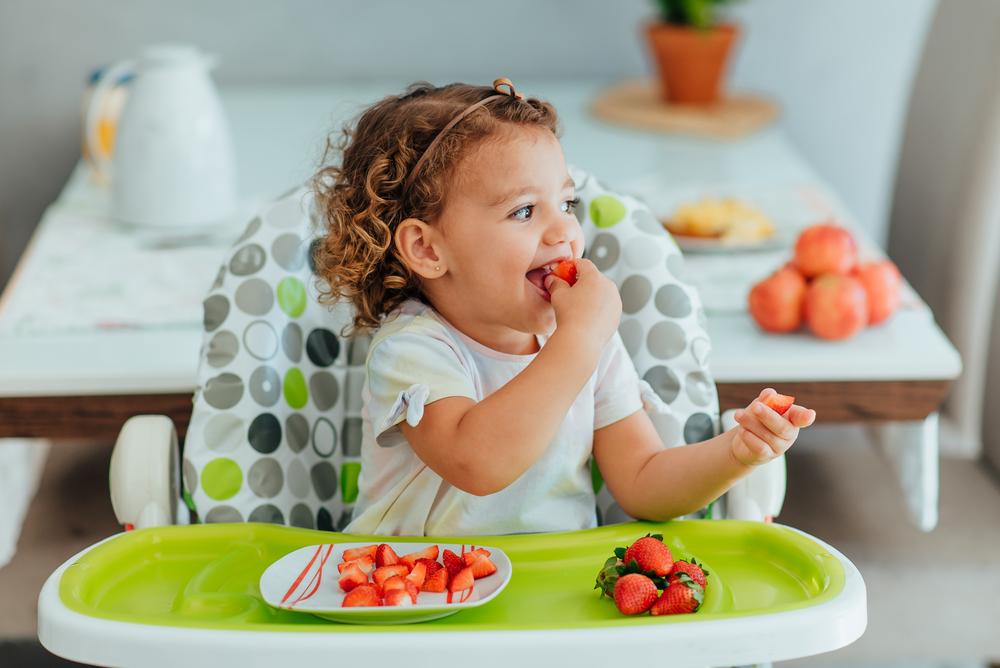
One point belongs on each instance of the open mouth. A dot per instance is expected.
(537, 276)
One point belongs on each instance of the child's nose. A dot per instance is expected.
(561, 228)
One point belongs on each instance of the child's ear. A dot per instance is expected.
(415, 242)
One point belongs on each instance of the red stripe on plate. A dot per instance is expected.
(319, 548)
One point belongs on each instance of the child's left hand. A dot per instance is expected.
(763, 434)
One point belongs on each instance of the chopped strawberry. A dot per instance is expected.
(480, 563)
(426, 553)
(432, 565)
(436, 581)
(463, 581)
(634, 594)
(393, 583)
(651, 555)
(779, 403)
(358, 552)
(418, 574)
(398, 597)
(352, 577)
(364, 595)
(366, 564)
(385, 556)
(453, 563)
(413, 590)
(475, 554)
(681, 596)
(566, 270)
(692, 568)
(382, 574)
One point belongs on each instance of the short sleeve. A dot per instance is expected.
(618, 390)
(408, 370)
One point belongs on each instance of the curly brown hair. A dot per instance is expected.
(364, 197)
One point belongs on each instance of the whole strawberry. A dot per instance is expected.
(681, 597)
(608, 577)
(634, 594)
(695, 570)
(650, 554)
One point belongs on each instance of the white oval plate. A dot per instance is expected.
(306, 581)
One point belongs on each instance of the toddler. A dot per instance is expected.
(490, 382)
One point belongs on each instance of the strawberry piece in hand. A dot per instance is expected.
(565, 270)
(634, 594)
(779, 403)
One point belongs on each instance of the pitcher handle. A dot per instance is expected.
(102, 87)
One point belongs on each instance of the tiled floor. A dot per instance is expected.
(934, 599)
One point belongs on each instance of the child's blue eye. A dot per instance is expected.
(527, 208)
(573, 203)
(569, 207)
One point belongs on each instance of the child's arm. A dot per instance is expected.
(653, 483)
(483, 447)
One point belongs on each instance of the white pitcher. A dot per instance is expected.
(173, 164)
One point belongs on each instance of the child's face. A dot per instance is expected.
(508, 211)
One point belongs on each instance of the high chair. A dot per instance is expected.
(275, 438)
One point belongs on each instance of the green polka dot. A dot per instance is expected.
(296, 393)
(595, 476)
(221, 478)
(292, 296)
(349, 481)
(605, 211)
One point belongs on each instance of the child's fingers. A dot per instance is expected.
(554, 284)
(751, 424)
(778, 425)
(766, 392)
(800, 416)
(585, 268)
(756, 444)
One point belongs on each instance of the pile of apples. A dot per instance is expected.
(826, 287)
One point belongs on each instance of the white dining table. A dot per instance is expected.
(65, 371)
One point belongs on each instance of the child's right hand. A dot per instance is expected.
(591, 307)
(763, 434)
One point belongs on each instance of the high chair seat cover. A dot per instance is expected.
(275, 434)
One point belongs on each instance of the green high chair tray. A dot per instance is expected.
(189, 595)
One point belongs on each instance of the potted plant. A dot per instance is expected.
(690, 49)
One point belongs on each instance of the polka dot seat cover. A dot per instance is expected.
(275, 435)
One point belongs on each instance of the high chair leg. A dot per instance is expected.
(145, 472)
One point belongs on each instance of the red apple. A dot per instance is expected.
(836, 306)
(882, 282)
(776, 302)
(825, 249)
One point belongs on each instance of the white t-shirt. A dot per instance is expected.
(416, 358)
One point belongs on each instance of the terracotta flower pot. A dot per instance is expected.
(691, 62)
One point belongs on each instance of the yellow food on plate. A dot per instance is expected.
(728, 219)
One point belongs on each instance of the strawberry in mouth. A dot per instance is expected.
(564, 269)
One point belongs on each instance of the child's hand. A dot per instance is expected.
(763, 434)
(591, 307)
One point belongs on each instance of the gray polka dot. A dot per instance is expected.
(642, 253)
(698, 427)
(668, 428)
(324, 521)
(296, 431)
(264, 433)
(666, 340)
(324, 437)
(255, 297)
(647, 222)
(216, 310)
(672, 301)
(314, 247)
(635, 291)
(345, 519)
(222, 348)
(221, 514)
(287, 212)
(298, 479)
(664, 382)
(324, 480)
(223, 432)
(324, 389)
(630, 330)
(265, 478)
(223, 391)
(289, 252)
(700, 348)
(260, 339)
(675, 265)
(604, 251)
(190, 476)
(322, 347)
(247, 260)
(301, 516)
(251, 229)
(357, 349)
(267, 513)
(291, 341)
(219, 278)
(699, 388)
(265, 386)
(351, 436)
